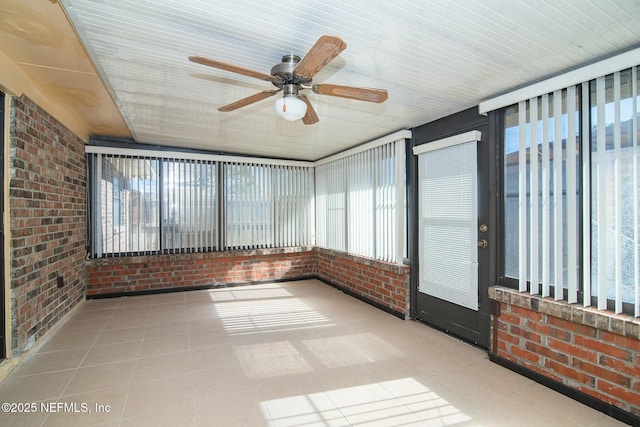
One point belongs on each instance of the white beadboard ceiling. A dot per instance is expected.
(434, 57)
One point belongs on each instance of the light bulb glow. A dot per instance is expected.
(291, 107)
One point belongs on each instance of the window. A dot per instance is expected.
(615, 188)
(125, 195)
(189, 205)
(571, 194)
(360, 206)
(143, 202)
(267, 205)
(541, 189)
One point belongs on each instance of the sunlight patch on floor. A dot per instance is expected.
(399, 402)
(271, 359)
(353, 349)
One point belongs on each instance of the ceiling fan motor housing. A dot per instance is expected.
(286, 71)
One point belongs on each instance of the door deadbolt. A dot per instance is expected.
(482, 243)
(484, 228)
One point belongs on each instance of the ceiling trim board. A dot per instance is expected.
(584, 74)
(393, 137)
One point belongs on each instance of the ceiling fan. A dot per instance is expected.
(294, 74)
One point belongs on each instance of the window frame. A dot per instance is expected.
(96, 152)
(586, 153)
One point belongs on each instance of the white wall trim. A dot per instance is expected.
(393, 137)
(133, 152)
(589, 72)
(471, 136)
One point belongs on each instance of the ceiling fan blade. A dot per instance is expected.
(248, 100)
(360, 94)
(310, 117)
(233, 68)
(320, 54)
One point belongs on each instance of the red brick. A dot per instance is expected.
(602, 347)
(600, 372)
(547, 352)
(630, 368)
(525, 354)
(572, 350)
(618, 340)
(569, 372)
(620, 392)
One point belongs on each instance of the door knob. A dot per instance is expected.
(482, 243)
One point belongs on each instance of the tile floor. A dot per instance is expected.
(283, 354)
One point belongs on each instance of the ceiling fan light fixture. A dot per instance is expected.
(291, 107)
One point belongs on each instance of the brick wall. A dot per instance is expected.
(47, 204)
(593, 352)
(158, 272)
(381, 283)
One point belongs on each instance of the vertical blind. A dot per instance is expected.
(547, 161)
(125, 205)
(577, 172)
(360, 202)
(146, 204)
(615, 190)
(189, 205)
(266, 205)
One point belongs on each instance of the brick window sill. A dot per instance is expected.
(620, 324)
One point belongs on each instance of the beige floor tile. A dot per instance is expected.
(283, 354)
(23, 419)
(149, 397)
(34, 388)
(183, 416)
(101, 304)
(205, 325)
(133, 311)
(163, 366)
(221, 381)
(238, 409)
(68, 342)
(168, 307)
(93, 315)
(100, 377)
(315, 409)
(112, 353)
(98, 408)
(76, 327)
(170, 298)
(118, 336)
(202, 311)
(168, 317)
(164, 345)
(127, 322)
(209, 339)
(165, 330)
(208, 358)
(136, 301)
(40, 363)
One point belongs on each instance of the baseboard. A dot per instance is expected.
(574, 394)
(363, 299)
(218, 285)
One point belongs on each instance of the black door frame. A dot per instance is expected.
(461, 122)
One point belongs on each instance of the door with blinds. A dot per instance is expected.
(453, 235)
